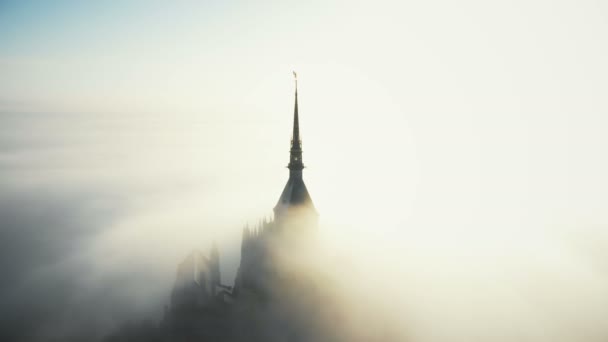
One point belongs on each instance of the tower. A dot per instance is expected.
(295, 199)
(294, 218)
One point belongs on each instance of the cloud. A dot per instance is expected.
(90, 234)
(43, 261)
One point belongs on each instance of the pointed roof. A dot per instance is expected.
(295, 194)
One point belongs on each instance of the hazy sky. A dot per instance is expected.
(461, 144)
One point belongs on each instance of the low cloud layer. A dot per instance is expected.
(86, 245)
(96, 212)
(44, 289)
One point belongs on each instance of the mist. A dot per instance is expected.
(455, 152)
(92, 242)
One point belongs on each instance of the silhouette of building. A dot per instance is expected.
(279, 294)
(295, 220)
(204, 308)
(198, 281)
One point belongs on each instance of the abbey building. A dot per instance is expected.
(295, 221)
(259, 305)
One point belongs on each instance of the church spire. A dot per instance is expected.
(295, 193)
(295, 160)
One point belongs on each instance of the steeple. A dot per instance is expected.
(295, 160)
(295, 193)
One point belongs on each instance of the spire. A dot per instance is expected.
(214, 261)
(214, 251)
(296, 122)
(295, 160)
(295, 192)
(246, 232)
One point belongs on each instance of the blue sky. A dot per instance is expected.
(91, 50)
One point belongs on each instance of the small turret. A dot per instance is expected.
(214, 268)
(245, 239)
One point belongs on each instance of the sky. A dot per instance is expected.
(460, 145)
